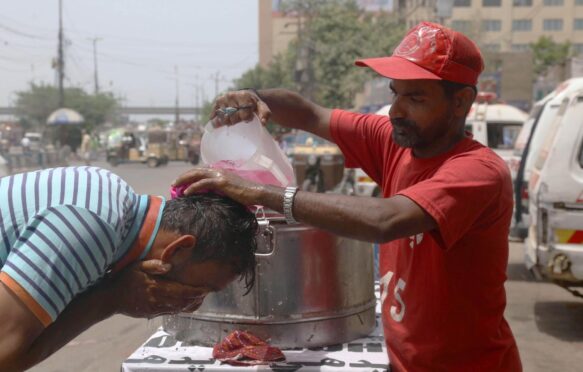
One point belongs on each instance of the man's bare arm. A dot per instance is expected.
(285, 107)
(363, 218)
(291, 110)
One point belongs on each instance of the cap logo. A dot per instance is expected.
(418, 44)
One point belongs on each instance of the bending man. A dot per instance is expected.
(66, 235)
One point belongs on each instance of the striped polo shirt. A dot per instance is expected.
(63, 229)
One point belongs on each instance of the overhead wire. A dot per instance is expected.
(144, 52)
(21, 33)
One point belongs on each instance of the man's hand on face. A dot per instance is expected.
(223, 181)
(233, 107)
(141, 291)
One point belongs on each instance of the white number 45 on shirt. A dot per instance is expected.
(400, 286)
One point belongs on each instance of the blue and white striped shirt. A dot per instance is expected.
(61, 229)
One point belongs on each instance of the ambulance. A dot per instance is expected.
(494, 124)
(527, 147)
(554, 245)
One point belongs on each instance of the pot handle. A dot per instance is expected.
(266, 236)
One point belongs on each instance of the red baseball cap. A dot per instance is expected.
(431, 51)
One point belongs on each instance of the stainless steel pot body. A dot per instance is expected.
(312, 289)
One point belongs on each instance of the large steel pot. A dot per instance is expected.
(312, 289)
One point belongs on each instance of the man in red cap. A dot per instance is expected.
(446, 210)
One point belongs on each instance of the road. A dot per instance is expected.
(546, 320)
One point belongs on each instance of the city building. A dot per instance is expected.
(277, 28)
(504, 30)
(503, 25)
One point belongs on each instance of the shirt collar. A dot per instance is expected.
(148, 231)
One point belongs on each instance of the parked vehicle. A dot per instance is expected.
(554, 246)
(34, 140)
(527, 147)
(496, 125)
(364, 185)
(308, 148)
(314, 175)
(347, 184)
(148, 147)
(193, 147)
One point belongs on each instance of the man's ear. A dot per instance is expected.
(179, 250)
(463, 100)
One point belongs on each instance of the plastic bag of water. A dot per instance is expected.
(247, 149)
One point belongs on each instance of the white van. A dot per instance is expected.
(496, 125)
(554, 245)
(527, 147)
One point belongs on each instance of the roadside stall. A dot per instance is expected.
(163, 352)
(314, 295)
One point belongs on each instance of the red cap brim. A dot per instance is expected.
(397, 68)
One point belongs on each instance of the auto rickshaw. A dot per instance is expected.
(315, 160)
(127, 146)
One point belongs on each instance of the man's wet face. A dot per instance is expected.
(212, 276)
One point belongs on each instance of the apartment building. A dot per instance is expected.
(277, 29)
(504, 25)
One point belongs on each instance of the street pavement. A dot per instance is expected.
(546, 320)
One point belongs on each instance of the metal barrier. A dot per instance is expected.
(20, 160)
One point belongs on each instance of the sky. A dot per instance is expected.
(141, 45)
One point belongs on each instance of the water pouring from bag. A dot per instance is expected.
(247, 149)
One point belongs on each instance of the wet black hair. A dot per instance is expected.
(224, 229)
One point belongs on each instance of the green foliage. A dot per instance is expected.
(341, 34)
(36, 104)
(278, 75)
(320, 62)
(548, 53)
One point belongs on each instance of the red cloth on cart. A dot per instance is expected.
(241, 348)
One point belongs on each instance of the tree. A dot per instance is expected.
(34, 106)
(319, 63)
(548, 53)
(341, 34)
(279, 74)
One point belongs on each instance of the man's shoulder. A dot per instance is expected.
(479, 162)
(74, 215)
(475, 152)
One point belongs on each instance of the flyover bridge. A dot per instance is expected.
(132, 110)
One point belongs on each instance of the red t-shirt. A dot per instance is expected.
(442, 291)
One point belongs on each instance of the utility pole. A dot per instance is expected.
(216, 77)
(61, 58)
(95, 76)
(303, 69)
(197, 99)
(197, 103)
(177, 109)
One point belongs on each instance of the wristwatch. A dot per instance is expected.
(288, 204)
